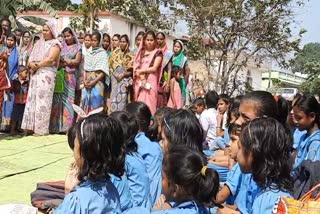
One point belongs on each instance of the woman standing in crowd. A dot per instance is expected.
(138, 40)
(165, 75)
(115, 41)
(62, 116)
(121, 65)
(96, 68)
(179, 59)
(107, 43)
(25, 48)
(147, 67)
(43, 64)
(13, 62)
(4, 81)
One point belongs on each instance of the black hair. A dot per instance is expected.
(175, 70)
(309, 105)
(161, 33)
(199, 101)
(183, 166)
(18, 30)
(269, 143)
(97, 34)
(283, 109)
(7, 20)
(126, 37)
(22, 68)
(67, 30)
(24, 33)
(151, 33)
(175, 42)
(11, 35)
(99, 136)
(233, 108)
(107, 35)
(141, 33)
(72, 134)
(182, 127)
(130, 129)
(36, 37)
(88, 34)
(212, 99)
(9, 29)
(225, 98)
(234, 129)
(160, 114)
(142, 114)
(116, 35)
(266, 105)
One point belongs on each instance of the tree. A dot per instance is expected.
(9, 8)
(307, 61)
(57, 5)
(242, 31)
(311, 86)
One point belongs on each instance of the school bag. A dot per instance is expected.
(48, 196)
(308, 204)
(306, 177)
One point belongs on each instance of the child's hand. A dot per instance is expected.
(161, 204)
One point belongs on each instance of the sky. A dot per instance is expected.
(307, 17)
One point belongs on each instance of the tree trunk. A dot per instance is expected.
(91, 18)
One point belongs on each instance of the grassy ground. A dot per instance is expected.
(32, 160)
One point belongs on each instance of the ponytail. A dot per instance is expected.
(187, 168)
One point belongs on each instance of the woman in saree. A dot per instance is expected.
(25, 48)
(96, 68)
(179, 59)
(13, 62)
(165, 75)
(138, 40)
(62, 115)
(121, 68)
(43, 64)
(4, 80)
(147, 66)
(107, 43)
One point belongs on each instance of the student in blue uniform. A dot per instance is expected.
(253, 105)
(135, 169)
(187, 182)
(150, 151)
(94, 141)
(264, 151)
(307, 115)
(122, 186)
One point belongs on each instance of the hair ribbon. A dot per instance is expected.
(82, 114)
(203, 170)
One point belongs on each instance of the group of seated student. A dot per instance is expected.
(134, 162)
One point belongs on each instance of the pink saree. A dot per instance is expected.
(148, 96)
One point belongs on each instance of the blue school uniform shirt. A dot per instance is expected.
(265, 200)
(242, 187)
(138, 179)
(308, 149)
(91, 197)
(297, 134)
(122, 187)
(151, 153)
(234, 177)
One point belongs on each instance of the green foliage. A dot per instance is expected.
(194, 48)
(144, 12)
(9, 8)
(307, 61)
(311, 86)
(243, 31)
(57, 5)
